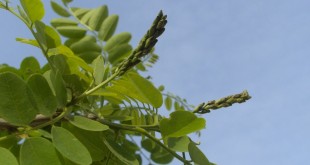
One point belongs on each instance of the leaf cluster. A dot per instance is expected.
(89, 104)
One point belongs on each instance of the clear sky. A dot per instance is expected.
(216, 48)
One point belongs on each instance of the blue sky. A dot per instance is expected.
(216, 48)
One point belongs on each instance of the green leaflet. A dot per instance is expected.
(108, 27)
(161, 156)
(47, 35)
(80, 12)
(29, 66)
(88, 124)
(148, 145)
(120, 152)
(86, 17)
(38, 150)
(90, 139)
(85, 44)
(59, 9)
(57, 22)
(69, 146)
(98, 16)
(34, 9)
(117, 40)
(119, 53)
(7, 158)
(98, 66)
(28, 41)
(181, 123)
(64, 50)
(71, 31)
(7, 68)
(52, 38)
(59, 88)
(168, 103)
(179, 144)
(45, 99)
(134, 86)
(17, 104)
(197, 156)
(158, 154)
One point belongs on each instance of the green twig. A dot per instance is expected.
(56, 119)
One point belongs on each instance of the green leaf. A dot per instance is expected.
(108, 27)
(119, 53)
(116, 40)
(69, 146)
(179, 144)
(149, 145)
(45, 99)
(46, 35)
(17, 101)
(52, 38)
(38, 150)
(90, 139)
(7, 68)
(71, 31)
(85, 44)
(88, 124)
(57, 22)
(7, 158)
(120, 152)
(137, 87)
(80, 12)
(59, 88)
(168, 103)
(64, 50)
(197, 156)
(34, 9)
(181, 123)
(29, 66)
(28, 41)
(86, 17)
(66, 1)
(59, 9)
(161, 156)
(98, 66)
(98, 16)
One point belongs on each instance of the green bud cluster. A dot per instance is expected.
(146, 44)
(223, 102)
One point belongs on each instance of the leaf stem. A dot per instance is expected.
(33, 33)
(86, 93)
(62, 115)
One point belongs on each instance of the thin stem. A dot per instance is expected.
(62, 115)
(86, 93)
(34, 35)
(144, 132)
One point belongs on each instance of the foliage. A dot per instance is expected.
(89, 104)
